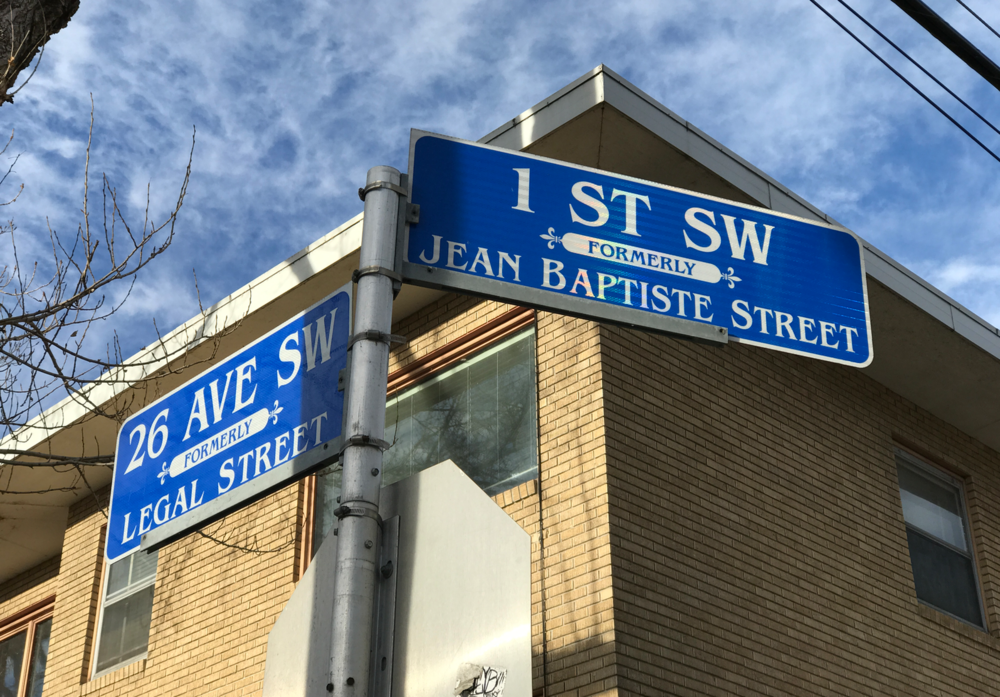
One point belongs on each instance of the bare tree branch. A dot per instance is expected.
(47, 310)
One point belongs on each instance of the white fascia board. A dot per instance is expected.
(227, 313)
(931, 300)
(550, 113)
(705, 150)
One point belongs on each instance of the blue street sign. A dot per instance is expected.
(260, 419)
(540, 232)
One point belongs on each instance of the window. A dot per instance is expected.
(123, 629)
(937, 531)
(24, 650)
(479, 412)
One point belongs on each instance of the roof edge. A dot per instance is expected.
(223, 315)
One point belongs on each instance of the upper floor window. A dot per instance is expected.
(937, 530)
(479, 412)
(126, 609)
(24, 651)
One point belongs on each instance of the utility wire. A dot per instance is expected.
(978, 17)
(952, 39)
(910, 84)
(920, 67)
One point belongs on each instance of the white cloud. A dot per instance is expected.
(294, 102)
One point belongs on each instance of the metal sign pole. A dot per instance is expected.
(357, 549)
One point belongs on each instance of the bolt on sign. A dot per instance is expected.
(248, 426)
(539, 232)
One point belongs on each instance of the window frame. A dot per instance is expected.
(427, 366)
(28, 620)
(948, 479)
(102, 606)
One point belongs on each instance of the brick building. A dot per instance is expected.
(704, 521)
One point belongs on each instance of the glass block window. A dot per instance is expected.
(24, 651)
(937, 531)
(126, 608)
(481, 413)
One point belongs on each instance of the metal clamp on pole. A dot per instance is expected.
(380, 270)
(381, 184)
(366, 440)
(397, 279)
(380, 337)
(344, 511)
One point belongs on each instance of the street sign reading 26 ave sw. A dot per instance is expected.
(251, 424)
(539, 232)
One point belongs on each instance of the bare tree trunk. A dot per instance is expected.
(25, 26)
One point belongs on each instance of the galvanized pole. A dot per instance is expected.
(357, 547)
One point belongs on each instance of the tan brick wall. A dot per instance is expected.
(28, 588)
(521, 504)
(706, 522)
(757, 531)
(441, 322)
(575, 516)
(213, 605)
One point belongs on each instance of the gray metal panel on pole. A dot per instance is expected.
(357, 550)
(952, 39)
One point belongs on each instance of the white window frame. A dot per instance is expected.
(105, 602)
(949, 480)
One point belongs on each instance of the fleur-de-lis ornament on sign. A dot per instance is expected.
(273, 414)
(552, 237)
(731, 277)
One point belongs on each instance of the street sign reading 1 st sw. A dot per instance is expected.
(545, 233)
(251, 424)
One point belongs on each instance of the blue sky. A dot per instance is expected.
(294, 101)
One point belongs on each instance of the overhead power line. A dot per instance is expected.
(898, 74)
(922, 69)
(985, 24)
(949, 36)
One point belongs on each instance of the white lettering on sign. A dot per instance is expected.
(139, 431)
(738, 245)
(199, 409)
(166, 508)
(594, 203)
(244, 374)
(523, 189)
(435, 251)
(706, 228)
(579, 192)
(259, 460)
(484, 263)
(794, 327)
(289, 355)
(630, 199)
(455, 251)
(703, 221)
(635, 293)
(323, 341)
(219, 402)
(220, 442)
